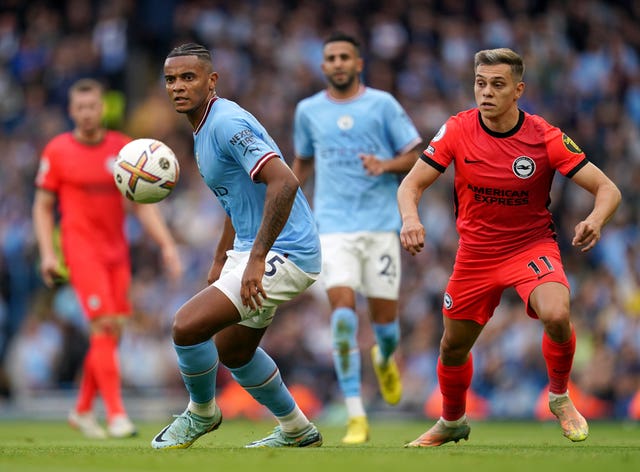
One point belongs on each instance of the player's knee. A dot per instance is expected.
(452, 352)
(556, 320)
(182, 330)
(234, 359)
(558, 329)
(344, 326)
(109, 325)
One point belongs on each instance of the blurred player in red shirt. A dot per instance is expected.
(505, 160)
(76, 172)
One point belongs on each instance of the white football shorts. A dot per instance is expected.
(367, 262)
(282, 281)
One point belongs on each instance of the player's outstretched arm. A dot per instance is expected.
(607, 198)
(302, 168)
(220, 256)
(398, 165)
(43, 225)
(410, 191)
(155, 226)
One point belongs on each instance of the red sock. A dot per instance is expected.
(558, 357)
(104, 361)
(454, 383)
(88, 387)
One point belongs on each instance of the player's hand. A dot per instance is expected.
(251, 291)
(171, 261)
(587, 235)
(412, 235)
(49, 270)
(372, 164)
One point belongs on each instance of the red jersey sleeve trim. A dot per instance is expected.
(575, 170)
(439, 167)
(260, 164)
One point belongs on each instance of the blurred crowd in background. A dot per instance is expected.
(583, 75)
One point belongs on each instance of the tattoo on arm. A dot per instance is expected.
(277, 208)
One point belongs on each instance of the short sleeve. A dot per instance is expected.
(302, 141)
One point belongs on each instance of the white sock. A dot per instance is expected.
(455, 423)
(293, 422)
(206, 410)
(555, 396)
(355, 407)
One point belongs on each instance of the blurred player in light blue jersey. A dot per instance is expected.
(360, 139)
(268, 253)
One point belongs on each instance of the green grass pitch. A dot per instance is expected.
(493, 446)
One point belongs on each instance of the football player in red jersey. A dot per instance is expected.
(76, 173)
(505, 160)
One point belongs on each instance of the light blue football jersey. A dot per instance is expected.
(231, 147)
(334, 133)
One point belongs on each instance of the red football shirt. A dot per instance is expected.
(91, 207)
(502, 180)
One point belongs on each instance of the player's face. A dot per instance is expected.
(85, 109)
(496, 91)
(190, 83)
(341, 64)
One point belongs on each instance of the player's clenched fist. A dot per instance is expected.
(587, 235)
(412, 236)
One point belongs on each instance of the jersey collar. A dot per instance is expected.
(359, 93)
(206, 113)
(506, 134)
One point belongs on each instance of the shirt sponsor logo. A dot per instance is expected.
(499, 196)
(220, 191)
(245, 139)
(430, 150)
(523, 167)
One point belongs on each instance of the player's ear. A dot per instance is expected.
(213, 78)
(519, 89)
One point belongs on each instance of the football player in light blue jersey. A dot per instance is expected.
(268, 253)
(357, 140)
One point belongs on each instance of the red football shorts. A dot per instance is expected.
(102, 289)
(477, 283)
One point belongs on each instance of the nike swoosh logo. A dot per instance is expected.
(471, 161)
(543, 275)
(160, 436)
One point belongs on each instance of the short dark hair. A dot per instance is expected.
(191, 49)
(341, 36)
(492, 57)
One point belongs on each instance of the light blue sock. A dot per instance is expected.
(387, 336)
(198, 366)
(261, 378)
(346, 355)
